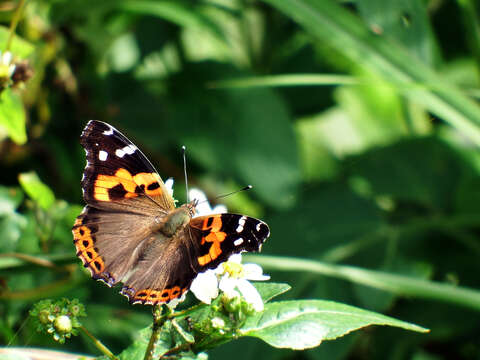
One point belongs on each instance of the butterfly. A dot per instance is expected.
(130, 231)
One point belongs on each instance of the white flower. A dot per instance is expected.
(203, 207)
(6, 66)
(229, 277)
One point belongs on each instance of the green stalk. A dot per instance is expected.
(158, 321)
(98, 344)
(14, 23)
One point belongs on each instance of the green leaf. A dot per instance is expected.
(18, 47)
(12, 223)
(340, 29)
(305, 324)
(12, 116)
(10, 198)
(269, 290)
(36, 189)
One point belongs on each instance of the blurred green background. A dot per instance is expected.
(356, 121)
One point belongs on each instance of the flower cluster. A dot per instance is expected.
(59, 318)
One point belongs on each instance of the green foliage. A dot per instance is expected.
(357, 124)
(12, 116)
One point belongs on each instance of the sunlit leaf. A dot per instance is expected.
(305, 324)
(12, 116)
(36, 189)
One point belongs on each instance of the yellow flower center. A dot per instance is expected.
(233, 269)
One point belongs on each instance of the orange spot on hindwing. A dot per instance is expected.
(86, 250)
(151, 296)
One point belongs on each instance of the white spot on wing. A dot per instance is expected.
(241, 223)
(129, 150)
(238, 242)
(259, 226)
(102, 155)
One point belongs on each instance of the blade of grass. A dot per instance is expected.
(342, 30)
(287, 80)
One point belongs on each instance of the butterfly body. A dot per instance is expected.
(130, 231)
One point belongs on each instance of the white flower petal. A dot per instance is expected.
(236, 258)
(197, 194)
(203, 207)
(219, 209)
(227, 285)
(254, 272)
(250, 294)
(169, 186)
(205, 286)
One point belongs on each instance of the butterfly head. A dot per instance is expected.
(191, 207)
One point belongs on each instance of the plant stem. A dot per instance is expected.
(158, 321)
(13, 24)
(99, 344)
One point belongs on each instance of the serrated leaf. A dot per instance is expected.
(305, 324)
(12, 116)
(36, 189)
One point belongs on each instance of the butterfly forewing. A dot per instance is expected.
(117, 172)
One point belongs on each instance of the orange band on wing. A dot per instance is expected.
(215, 249)
(129, 184)
(156, 296)
(86, 249)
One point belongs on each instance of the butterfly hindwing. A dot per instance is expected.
(107, 243)
(117, 172)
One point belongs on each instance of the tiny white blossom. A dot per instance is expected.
(218, 323)
(6, 66)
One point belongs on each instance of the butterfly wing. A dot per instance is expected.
(222, 235)
(118, 174)
(126, 198)
(170, 267)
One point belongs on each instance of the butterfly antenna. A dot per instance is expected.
(185, 170)
(248, 187)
